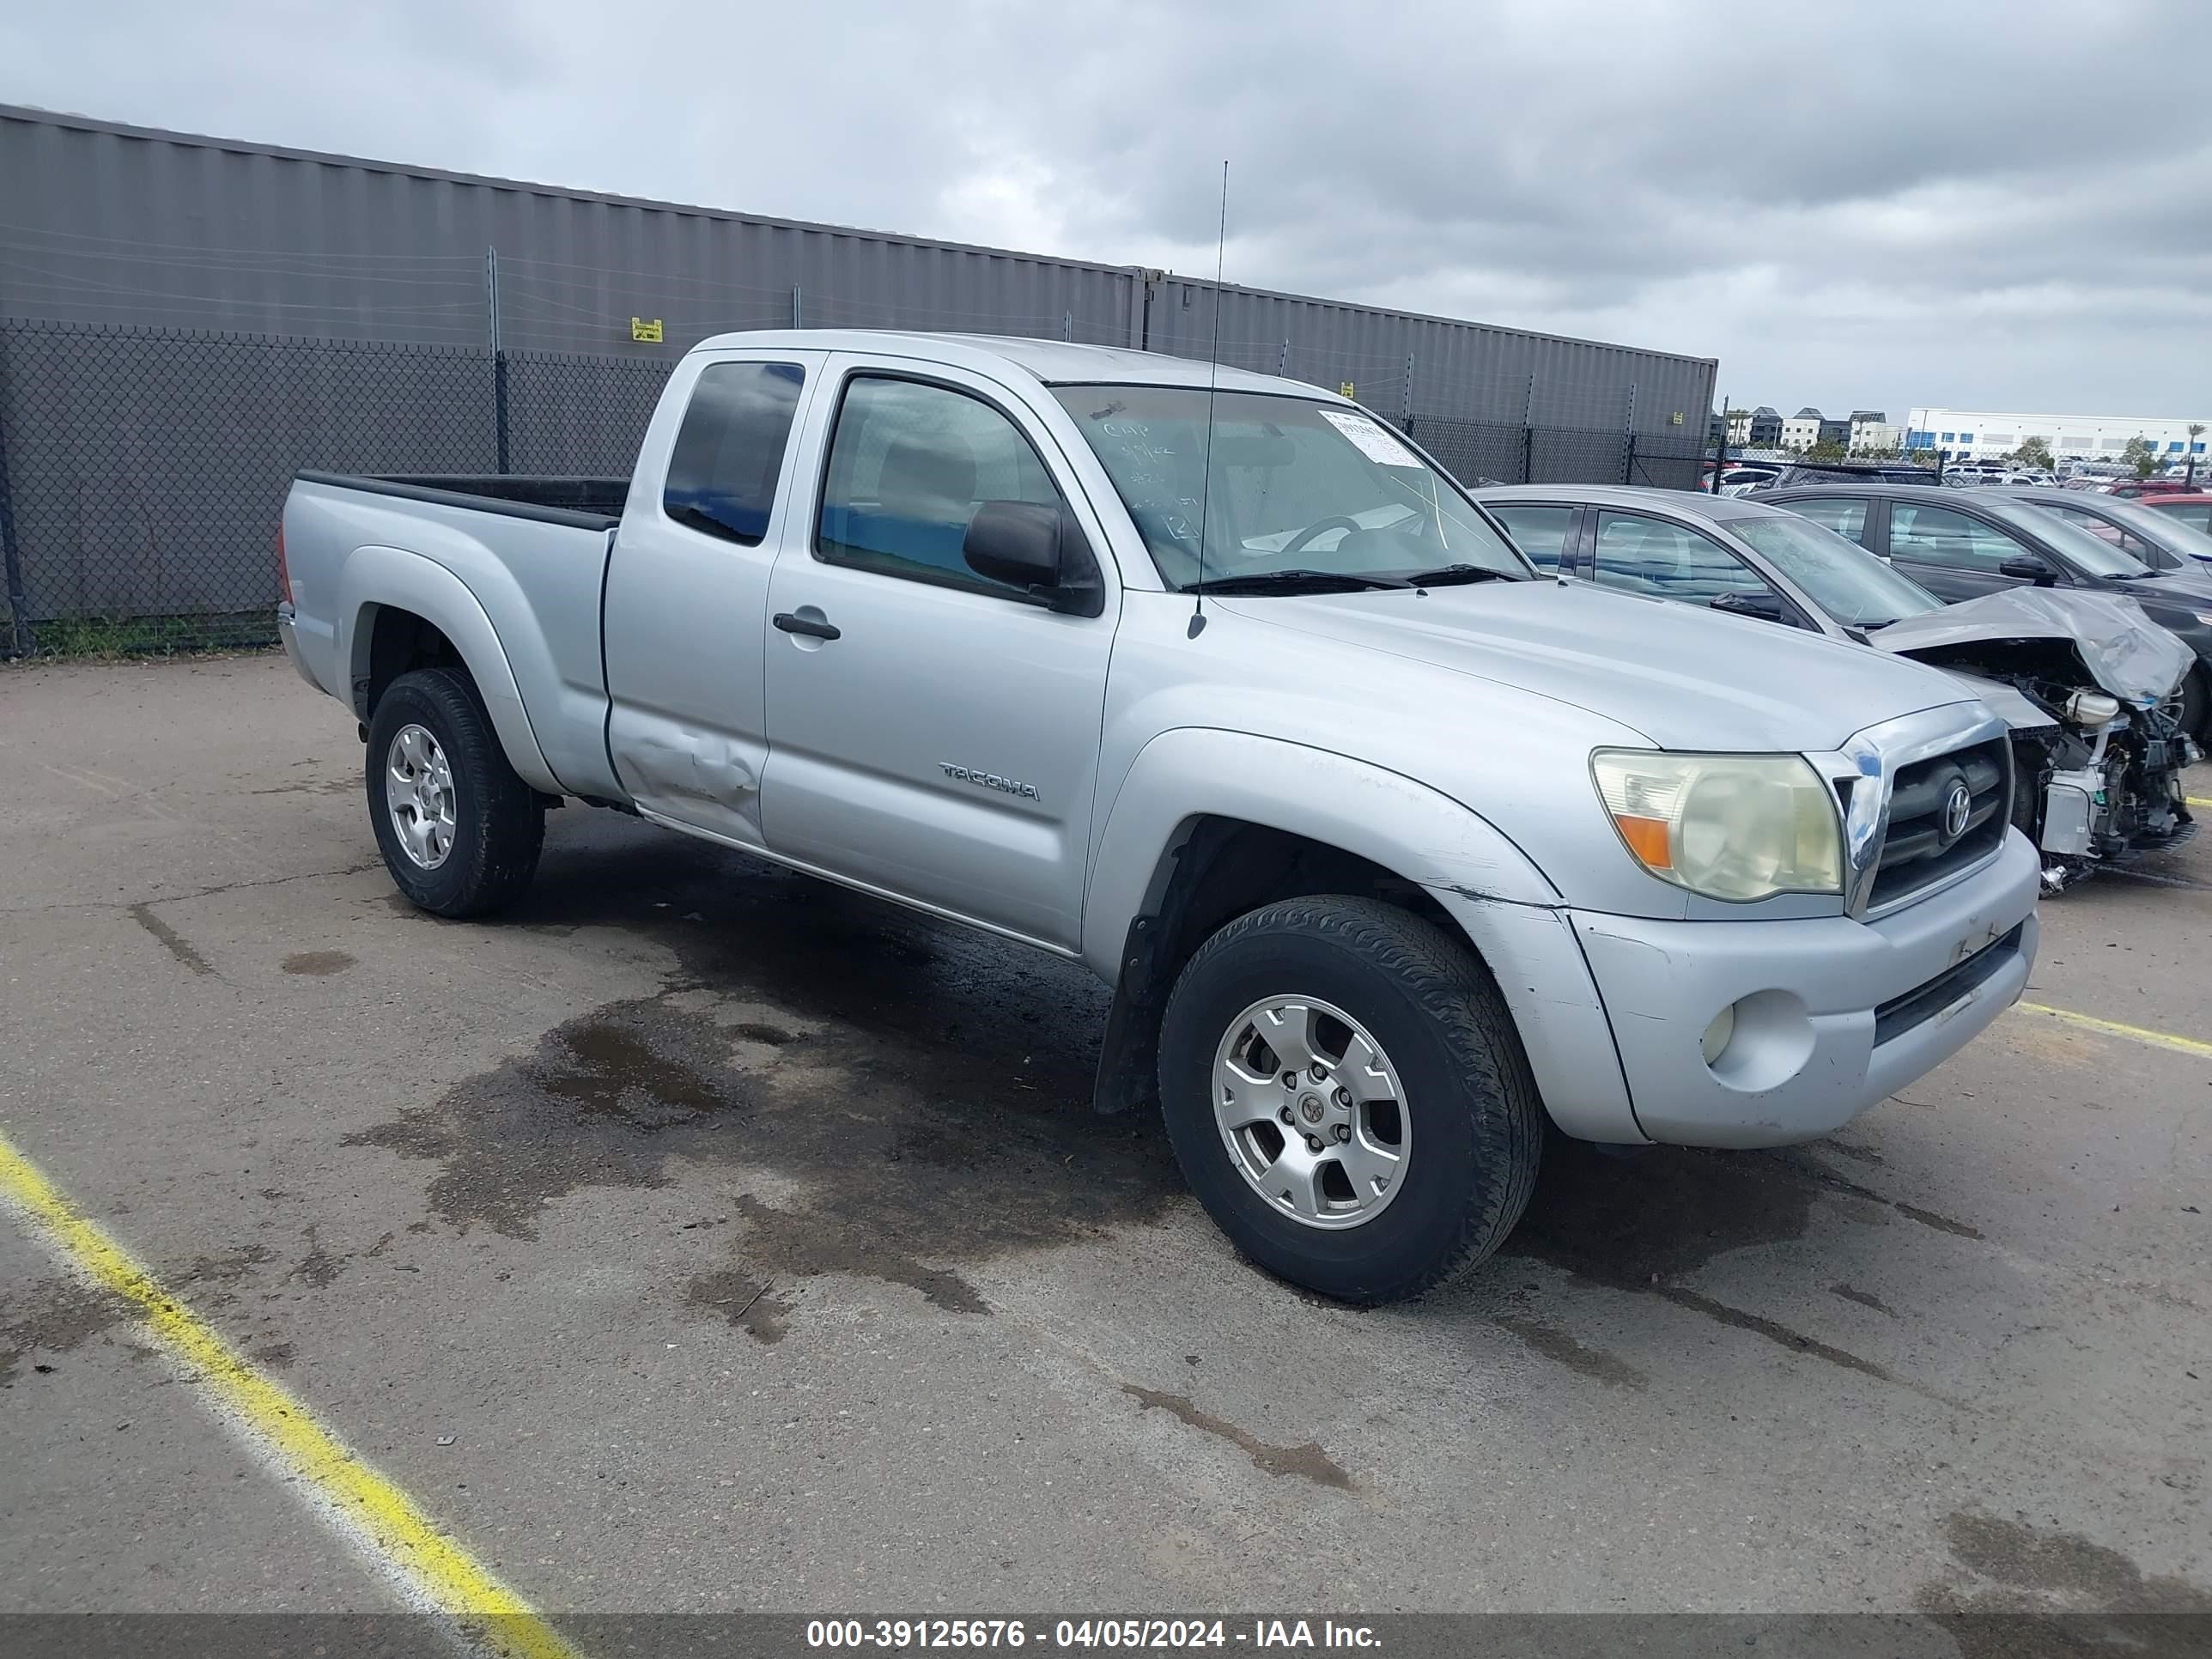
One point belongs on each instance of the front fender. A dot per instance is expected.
(375, 576)
(1510, 912)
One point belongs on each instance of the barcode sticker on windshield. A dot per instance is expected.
(1371, 439)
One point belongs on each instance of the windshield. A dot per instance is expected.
(1844, 580)
(2098, 558)
(2159, 529)
(1296, 485)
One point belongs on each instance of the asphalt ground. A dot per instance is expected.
(704, 1237)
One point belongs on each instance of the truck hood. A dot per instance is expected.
(1683, 677)
(2123, 650)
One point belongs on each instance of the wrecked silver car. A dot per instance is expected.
(2090, 686)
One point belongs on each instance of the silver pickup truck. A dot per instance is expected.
(1391, 848)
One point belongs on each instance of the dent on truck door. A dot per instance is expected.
(687, 592)
(935, 733)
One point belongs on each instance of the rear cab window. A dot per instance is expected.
(729, 452)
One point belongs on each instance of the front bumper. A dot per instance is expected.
(1832, 1014)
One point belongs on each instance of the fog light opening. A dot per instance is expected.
(1718, 1033)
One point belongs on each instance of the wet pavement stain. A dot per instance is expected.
(272, 1353)
(1308, 1462)
(1557, 1346)
(1639, 1222)
(1864, 1299)
(796, 1244)
(318, 964)
(1941, 1223)
(746, 1303)
(172, 941)
(926, 1088)
(2039, 1592)
(319, 1268)
(53, 1316)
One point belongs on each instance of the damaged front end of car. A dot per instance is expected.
(2091, 688)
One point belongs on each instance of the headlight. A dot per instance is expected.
(2092, 709)
(1728, 826)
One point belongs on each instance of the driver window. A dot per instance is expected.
(1668, 561)
(909, 464)
(1938, 535)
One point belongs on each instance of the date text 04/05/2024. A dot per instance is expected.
(1087, 1634)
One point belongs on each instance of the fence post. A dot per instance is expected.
(19, 641)
(798, 310)
(1720, 450)
(1406, 401)
(1283, 367)
(1628, 439)
(498, 363)
(1529, 434)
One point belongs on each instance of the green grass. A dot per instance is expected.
(145, 636)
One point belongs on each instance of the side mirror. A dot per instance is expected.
(2028, 568)
(1038, 548)
(1763, 603)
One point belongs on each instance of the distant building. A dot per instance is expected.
(1873, 433)
(1763, 430)
(1985, 434)
(1802, 429)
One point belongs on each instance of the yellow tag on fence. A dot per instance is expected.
(646, 333)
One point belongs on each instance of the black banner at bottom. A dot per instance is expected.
(1297, 1636)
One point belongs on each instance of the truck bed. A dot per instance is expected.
(584, 503)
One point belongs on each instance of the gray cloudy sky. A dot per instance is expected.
(1868, 205)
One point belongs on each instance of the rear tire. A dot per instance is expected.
(459, 832)
(1468, 1127)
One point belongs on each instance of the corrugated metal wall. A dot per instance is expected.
(184, 321)
(107, 223)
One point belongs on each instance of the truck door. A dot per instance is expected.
(935, 733)
(686, 608)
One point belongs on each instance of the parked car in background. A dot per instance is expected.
(2087, 681)
(1807, 472)
(2193, 510)
(2135, 489)
(2160, 540)
(1376, 835)
(1962, 544)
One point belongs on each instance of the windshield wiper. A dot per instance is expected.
(1295, 582)
(1446, 575)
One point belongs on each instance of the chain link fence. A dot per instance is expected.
(143, 469)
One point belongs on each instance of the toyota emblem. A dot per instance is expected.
(1958, 806)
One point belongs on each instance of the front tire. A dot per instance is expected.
(459, 832)
(1348, 1097)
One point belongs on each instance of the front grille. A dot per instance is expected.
(1919, 848)
(1898, 1015)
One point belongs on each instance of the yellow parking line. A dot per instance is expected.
(2195, 801)
(430, 1570)
(2113, 1027)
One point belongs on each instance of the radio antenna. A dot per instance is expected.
(1213, 385)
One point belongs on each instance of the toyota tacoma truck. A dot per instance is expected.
(1392, 849)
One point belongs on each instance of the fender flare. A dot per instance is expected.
(1195, 771)
(1510, 912)
(375, 576)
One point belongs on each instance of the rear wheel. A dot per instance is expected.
(2197, 708)
(459, 832)
(1347, 1097)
